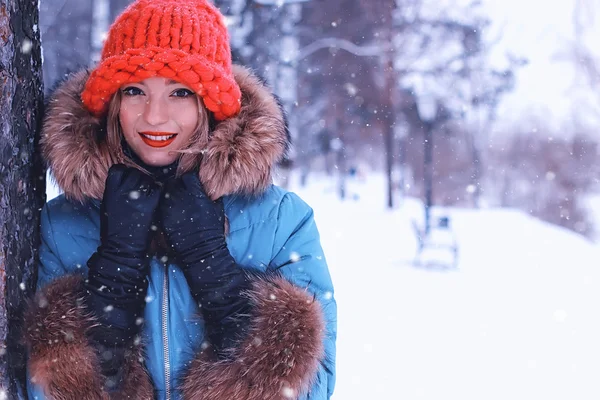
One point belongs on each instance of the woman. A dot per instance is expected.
(171, 267)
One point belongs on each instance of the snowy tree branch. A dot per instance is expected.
(363, 51)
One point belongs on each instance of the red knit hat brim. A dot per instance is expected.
(218, 89)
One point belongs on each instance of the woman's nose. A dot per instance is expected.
(156, 111)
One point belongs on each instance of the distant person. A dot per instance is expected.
(171, 267)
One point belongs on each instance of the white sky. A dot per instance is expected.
(543, 31)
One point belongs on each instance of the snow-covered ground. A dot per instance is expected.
(519, 318)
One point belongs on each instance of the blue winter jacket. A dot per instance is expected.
(269, 230)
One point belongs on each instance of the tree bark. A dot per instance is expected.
(22, 187)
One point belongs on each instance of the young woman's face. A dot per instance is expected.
(158, 116)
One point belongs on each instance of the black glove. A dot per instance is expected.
(117, 284)
(194, 226)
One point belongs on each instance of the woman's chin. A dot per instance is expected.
(159, 160)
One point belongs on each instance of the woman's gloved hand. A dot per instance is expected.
(117, 284)
(195, 230)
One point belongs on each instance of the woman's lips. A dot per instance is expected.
(158, 139)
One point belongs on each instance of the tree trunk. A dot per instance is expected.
(428, 173)
(22, 179)
(389, 117)
(100, 23)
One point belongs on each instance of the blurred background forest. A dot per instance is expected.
(462, 103)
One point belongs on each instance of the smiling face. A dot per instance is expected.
(158, 116)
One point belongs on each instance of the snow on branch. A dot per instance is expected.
(363, 51)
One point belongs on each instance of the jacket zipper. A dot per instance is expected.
(165, 309)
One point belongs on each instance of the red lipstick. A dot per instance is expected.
(158, 139)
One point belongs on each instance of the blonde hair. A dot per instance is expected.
(189, 157)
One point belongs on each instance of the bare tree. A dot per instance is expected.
(585, 17)
(22, 176)
(442, 54)
(263, 37)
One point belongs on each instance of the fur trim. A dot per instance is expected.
(61, 361)
(72, 142)
(278, 359)
(237, 159)
(244, 148)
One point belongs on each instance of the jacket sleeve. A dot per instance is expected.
(61, 363)
(50, 265)
(298, 255)
(287, 350)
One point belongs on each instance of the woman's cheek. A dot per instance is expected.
(187, 114)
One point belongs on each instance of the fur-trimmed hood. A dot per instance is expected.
(237, 157)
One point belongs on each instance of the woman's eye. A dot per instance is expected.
(183, 93)
(132, 91)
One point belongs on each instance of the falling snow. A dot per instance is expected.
(294, 257)
(26, 46)
(519, 313)
(288, 392)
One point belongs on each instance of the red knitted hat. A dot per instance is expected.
(184, 40)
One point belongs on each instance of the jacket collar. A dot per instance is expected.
(237, 158)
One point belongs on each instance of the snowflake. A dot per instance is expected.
(26, 46)
(69, 335)
(560, 315)
(288, 392)
(43, 302)
(294, 257)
